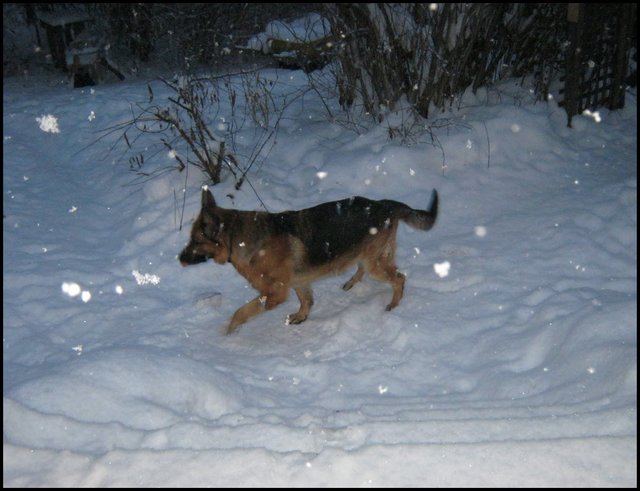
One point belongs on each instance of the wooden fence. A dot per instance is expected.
(597, 56)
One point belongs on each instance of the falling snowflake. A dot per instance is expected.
(442, 269)
(143, 279)
(48, 123)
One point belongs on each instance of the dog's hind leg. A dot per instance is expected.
(355, 278)
(305, 295)
(384, 270)
(397, 282)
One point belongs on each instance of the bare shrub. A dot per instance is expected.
(431, 55)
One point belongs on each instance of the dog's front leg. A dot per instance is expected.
(268, 301)
(305, 295)
(246, 312)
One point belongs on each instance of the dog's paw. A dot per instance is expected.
(296, 318)
(232, 328)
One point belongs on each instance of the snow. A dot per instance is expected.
(308, 28)
(48, 123)
(511, 360)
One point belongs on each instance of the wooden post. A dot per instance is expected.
(573, 67)
(618, 82)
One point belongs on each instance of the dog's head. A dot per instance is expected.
(209, 239)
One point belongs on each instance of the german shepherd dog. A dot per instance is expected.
(279, 251)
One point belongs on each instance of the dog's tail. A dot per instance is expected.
(422, 219)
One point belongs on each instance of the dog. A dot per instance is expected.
(277, 252)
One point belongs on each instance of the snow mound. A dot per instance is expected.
(117, 398)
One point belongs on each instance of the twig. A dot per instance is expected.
(488, 145)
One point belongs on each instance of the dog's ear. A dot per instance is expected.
(207, 199)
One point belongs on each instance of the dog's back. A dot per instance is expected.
(330, 230)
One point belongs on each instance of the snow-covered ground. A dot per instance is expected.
(511, 360)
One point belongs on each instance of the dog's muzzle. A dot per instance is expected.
(188, 257)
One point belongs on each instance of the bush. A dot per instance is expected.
(432, 54)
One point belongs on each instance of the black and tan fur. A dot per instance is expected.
(279, 251)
